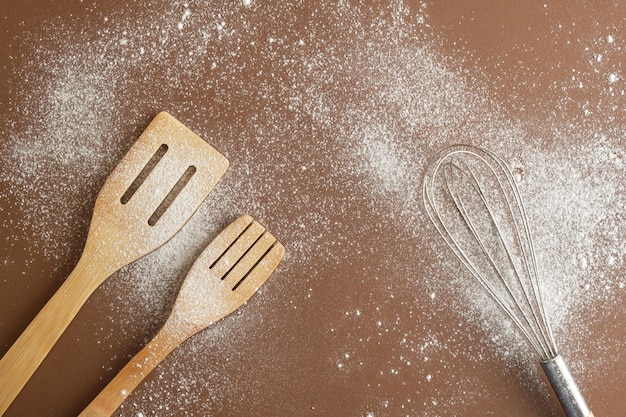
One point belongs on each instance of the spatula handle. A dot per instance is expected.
(24, 357)
(125, 382)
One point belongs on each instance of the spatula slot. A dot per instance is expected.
(241, 256)
(243, 232)
(147, 169)
(171, 196)
(253, 267)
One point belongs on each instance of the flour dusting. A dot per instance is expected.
(328, 126)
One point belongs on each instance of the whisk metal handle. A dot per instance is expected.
(565, 387)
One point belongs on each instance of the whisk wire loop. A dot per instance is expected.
(490, 235)
(528, 323)
(472, 199)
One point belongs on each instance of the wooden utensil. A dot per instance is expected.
(227, 273)
(149, 196)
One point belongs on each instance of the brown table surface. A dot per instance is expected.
(328, 113)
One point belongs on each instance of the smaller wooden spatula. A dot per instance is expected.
(227, 273)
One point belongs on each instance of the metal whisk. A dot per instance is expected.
(472, 199)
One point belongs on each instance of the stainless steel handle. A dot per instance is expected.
(565, 387)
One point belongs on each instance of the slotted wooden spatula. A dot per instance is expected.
(149, 196)
(227, 273)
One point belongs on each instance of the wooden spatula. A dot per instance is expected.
(149, 196)
(227, 273)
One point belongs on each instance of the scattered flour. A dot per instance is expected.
(332, 124)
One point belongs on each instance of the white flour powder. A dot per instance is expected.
(341, 115)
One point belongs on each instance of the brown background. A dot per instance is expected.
(347, 326)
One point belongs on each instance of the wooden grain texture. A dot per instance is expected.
(212, 290)
(119, 234)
